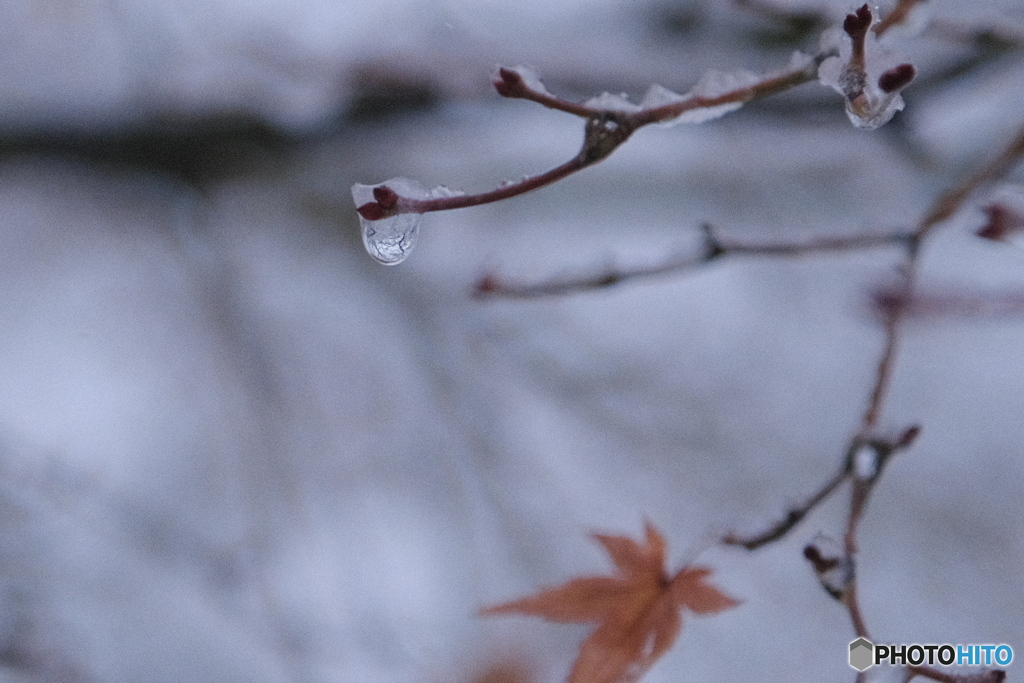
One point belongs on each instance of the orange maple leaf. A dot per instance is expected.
(637, 610)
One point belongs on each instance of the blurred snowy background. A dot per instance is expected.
(234, 448)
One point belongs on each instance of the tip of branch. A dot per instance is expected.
(1002, 222)
(487, 285)
(907, 438)
(372, 211)
(387, 202)
(896, 78)
(386, 197)
(819, 561)
(832, 563)
(510, 83)
(857, 24)
(713, 248)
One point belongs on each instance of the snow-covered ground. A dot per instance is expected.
(235, 448)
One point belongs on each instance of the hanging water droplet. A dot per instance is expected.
(390, 240)
(869, 103)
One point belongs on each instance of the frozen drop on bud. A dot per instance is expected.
(389, 234)
(388, 238)
(831, 563)
(866, 72)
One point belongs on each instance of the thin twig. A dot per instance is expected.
(953, 200)
(715, 248)
(897, 16)
(943, 208)
(606, 130)
(792, 518)
(853, 607)
(990, 676)
(865, 476)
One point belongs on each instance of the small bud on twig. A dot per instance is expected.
(386, 197)
(510, 83)
(385, 206)
(857, 24)
(896, 78)
(832, 564)
(1002, 222)
(907, 439)
(372, 211)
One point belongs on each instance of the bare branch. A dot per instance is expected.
(943, 208)
(897, 16)
(606, 129)
(510, 83)
(792, 518)
(991, 676)
(492, 285)
(853, 607)
(953, 200)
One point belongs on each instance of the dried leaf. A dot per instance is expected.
(638, 609)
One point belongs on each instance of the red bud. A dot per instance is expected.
(1002, 220)
(385, 196)
(510, 83)
(488, 284)
(856, 25)
(896, 78)
(820, 562)
(907, 438)
(372, 211)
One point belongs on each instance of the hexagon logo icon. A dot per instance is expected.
(861, 653)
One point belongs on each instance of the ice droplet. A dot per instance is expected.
(866, 463)
(390, 240)
(872, 107)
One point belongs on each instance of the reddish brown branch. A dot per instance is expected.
(897, 16)
(882, 450)
(510, 83)
(792, 518)
(943, 208)
(991, 676)
(853, 607)
(606, 129)
(492, 285)
(376, 211)
(866, 457)
(769, 86)
(953, 200)
(883, 373)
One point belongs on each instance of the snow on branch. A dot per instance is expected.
(869, 76)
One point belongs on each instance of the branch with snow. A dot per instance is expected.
(856, 65)
(854, 61)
